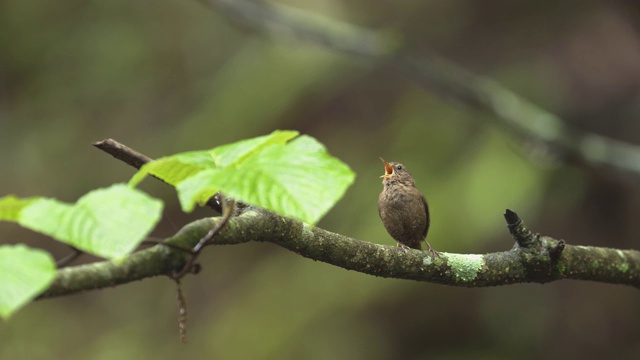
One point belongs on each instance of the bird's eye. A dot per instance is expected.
(399, 167)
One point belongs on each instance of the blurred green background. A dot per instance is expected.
(167, 76)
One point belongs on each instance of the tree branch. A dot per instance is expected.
(534, 258)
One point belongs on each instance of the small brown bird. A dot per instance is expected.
(403, 209)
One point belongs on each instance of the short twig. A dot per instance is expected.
(69, 258)
(122, 152)
(182, 312)
(227, 212)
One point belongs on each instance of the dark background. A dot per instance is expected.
(169, 76)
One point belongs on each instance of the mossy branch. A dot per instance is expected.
(533, 258)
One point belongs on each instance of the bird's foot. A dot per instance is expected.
(403, 247)
(432, 252)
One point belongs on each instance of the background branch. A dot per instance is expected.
(526, 121)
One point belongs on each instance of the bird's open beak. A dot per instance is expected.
(388, 169)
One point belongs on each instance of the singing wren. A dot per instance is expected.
(403, 209)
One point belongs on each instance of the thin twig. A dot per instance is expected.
(227, 212)
(228, 208)
(122, 152)
(75, 253)
(182, 312)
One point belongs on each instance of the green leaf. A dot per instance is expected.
(236, 153)
(173, 169)
(109, 222)
(24, 273)
(11, 206)
(198, 189)
(299, 179)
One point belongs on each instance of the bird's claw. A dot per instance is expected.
(403, 247)
(433, 252)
